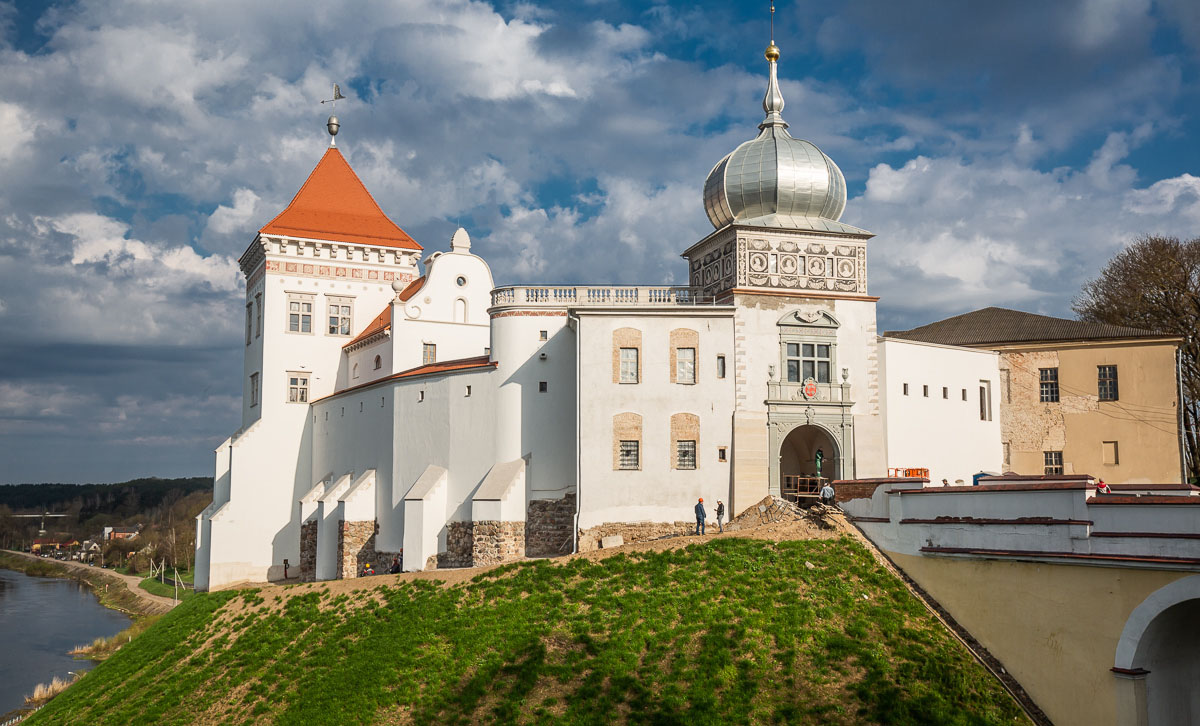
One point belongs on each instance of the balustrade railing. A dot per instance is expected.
(600, 295)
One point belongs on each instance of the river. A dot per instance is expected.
(41, 618)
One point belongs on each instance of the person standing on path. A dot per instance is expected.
(720, 515)
(701, 515)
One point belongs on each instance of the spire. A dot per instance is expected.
(773, 100)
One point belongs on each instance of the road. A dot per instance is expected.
(156, 603)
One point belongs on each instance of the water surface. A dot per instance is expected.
(41, 618)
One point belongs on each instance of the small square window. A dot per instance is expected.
(428, 353)
(925, 391)
(1053, 461)
(945, 392)
(543, 335)
(722, 454)
(906, 389)
(541, 386)
(685, 454)
(340, 316)
(297, 387)
(720, 366)
(629, 455)
(964, 394)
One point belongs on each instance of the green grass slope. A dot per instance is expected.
(726, 632)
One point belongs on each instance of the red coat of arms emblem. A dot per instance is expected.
(810, 388)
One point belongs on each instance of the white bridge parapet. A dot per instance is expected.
(550, 296)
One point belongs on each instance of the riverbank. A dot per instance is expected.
(115, 591)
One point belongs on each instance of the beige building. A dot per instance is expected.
(1077, 397)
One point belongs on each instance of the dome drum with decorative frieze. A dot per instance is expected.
(775, 180)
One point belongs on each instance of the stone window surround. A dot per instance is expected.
(299, 298)
(333, 302)
(626, 338)
(684, 427)
(821, 330)
(627, 426)
(684, 338)
(297, 387)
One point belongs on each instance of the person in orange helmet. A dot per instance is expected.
(701, 515)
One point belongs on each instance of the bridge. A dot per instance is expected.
(1089, 600)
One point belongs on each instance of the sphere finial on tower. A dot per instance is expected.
(332, 126)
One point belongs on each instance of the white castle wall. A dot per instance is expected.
(657, 492)
(944, 435)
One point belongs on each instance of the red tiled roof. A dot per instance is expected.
(450, 366)
(412, 289)
(382, 321)
(334, 205)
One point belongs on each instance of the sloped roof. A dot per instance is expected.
(449, 366)
(382, 321)
(413, 288)
(992, 326)
(334, 205)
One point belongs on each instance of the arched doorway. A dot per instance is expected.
(799, 472)
(1158, 647)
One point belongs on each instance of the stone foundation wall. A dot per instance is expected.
(308, 551)
(459, 545)
(494, 542)
(589, 539)
(548, 525)
(356, 547)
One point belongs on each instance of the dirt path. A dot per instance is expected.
(154, 603)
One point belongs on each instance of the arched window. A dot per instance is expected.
(378, 362)
(460, 310)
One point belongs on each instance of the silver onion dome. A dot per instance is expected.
(775, 180)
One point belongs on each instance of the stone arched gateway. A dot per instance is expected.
(1156, 663)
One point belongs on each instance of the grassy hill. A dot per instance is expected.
(728, 631)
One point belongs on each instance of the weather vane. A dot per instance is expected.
(332, 124)
(772, 26)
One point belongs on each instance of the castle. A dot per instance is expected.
(397, 402)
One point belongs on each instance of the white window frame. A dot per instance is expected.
(296, 301)
(339, 315)
(297, 387)
(428, 353)
(629, 364)
(685, 365)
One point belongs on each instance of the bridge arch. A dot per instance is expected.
(1157, 651)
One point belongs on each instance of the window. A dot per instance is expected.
(629, 365)
(249, 322)
(298, 388)
(985, 400)
(543, 334)
(808, 360)
(542, 386)
(300, 308)
(1053, 461)
(253, 390)
(420, 396)
(906, 389)
(685, 365)
(378, 362)
(1109, 453)
(964, 394)
(1049, 385)
(685, 454)
(629, 456)
(428, 353)
(339, 310)
(945, 393)
(258, 315)
(720, 366)
(722, 454)
(1107, 382)
(925, 391)
(461, 281)
(467, 392)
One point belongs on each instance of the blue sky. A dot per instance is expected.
(1001, 152)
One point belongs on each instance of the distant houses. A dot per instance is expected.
(114, 533)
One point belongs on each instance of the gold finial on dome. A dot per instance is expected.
(772, 51)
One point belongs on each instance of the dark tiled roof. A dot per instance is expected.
(991, 326)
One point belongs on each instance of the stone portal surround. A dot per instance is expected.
(308, 551)
(356, 547)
